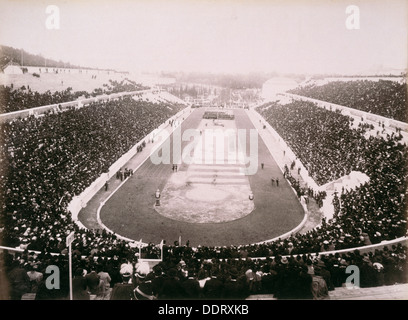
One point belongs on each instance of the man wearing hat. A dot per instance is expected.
(321, 270)
(142, 270)
(235, 287)
(285, 280)
(35, 276)
(144, 288)
(367, 273)
(79, 288)
(92, 281)
(213, 288)
(19, 280)
(172, 288)
(268, 279)
(123, 290)
(191, 285)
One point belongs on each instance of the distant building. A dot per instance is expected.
(12, 68)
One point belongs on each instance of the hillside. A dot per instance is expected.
(22, 57)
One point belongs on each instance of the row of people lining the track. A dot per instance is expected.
(305, 192)
(384, 97)
(184, 276)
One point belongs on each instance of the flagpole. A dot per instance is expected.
(161, 247)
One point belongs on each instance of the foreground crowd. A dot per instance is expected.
(46, 161)
(182, 275)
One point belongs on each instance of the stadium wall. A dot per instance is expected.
(364, 249)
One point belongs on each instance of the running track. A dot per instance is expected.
(130, 211)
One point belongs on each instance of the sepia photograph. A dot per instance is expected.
(208, 156)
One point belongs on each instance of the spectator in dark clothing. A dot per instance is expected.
(192, 286)
(79, 287)
(286, 280)
(19, 281)
(321, 270)
(144, 288)
(172, 288)
(235, 287)
(92, 282)
(304, 284)
(214, 287)
(268, 280)
(123, 290)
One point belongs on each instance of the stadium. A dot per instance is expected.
(132, 190)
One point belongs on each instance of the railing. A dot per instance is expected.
(362, 250)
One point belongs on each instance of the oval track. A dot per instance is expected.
(130, 211)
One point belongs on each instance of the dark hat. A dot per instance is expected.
(150, 276)
(79, 272)
(233, 272)
(191, 272)
(172, 272)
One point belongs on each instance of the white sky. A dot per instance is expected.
(214, 36)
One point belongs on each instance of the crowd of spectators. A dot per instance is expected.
(320, 138)
(384, 97)
(126, 85)
(15, 99)
(323, 140)
(329, 147)
(183, 275)
(47, 160)
(24, 98)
